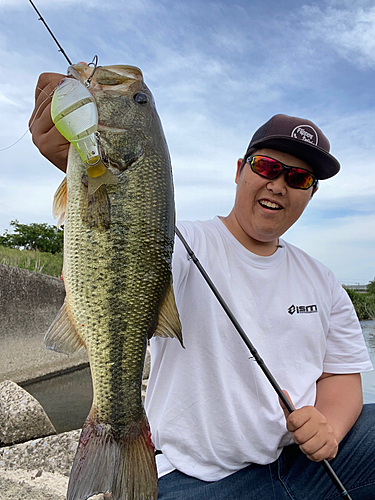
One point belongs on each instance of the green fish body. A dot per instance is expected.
(118, 246)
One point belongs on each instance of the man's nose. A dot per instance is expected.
(278, 185)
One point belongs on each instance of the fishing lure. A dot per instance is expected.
(75, 115)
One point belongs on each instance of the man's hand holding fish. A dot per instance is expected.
(45, 135)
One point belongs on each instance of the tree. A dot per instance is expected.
(34, 236)
(371, 287)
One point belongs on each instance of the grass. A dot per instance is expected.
(364, 304)
(46, 263)
(51, 264)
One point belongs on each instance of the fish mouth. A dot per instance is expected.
(124, 70)
(102, 127)
(270, 205)
(109, 76)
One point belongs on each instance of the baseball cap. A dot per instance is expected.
(298, 137)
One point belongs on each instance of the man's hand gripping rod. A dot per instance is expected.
(331, 473)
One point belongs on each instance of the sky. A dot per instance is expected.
(218, 70)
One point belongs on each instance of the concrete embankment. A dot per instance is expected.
(29, 302)
(36, 469)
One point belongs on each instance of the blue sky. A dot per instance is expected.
(218, 70)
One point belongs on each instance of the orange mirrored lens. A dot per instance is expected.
(299, 178)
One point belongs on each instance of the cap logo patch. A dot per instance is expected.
(305, 133)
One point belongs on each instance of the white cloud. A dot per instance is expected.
(5, 100)
(346, 245)
(200, 202)
(26, 202)
(349, 31)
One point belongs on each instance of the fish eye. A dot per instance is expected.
(141, 98)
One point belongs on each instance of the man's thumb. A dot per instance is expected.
(286, 412)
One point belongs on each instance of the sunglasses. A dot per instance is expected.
(269, 168)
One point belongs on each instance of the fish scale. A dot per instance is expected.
(125, 290)
(118, 245)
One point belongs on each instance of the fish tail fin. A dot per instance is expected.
(119, 462)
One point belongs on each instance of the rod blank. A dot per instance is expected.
(52, 35)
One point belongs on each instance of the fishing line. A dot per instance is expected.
(33, 120)
(331, 473)
(93, 63)
(66, 57)
(17, 141)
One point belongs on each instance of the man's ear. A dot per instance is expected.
(240, 163)
(314, 190)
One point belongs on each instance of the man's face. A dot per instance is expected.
(265, 208)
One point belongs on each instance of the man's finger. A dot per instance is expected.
(45, 136)
(46, 84)
(286, 412)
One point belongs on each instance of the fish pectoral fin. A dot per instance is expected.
(98, 210)
(62, 335)
(169, 324)
(107, 177)
(60, 202)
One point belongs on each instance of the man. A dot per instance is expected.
(214, 417)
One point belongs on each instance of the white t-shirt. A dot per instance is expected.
(211, 409)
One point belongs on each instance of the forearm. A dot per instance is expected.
(339, 399)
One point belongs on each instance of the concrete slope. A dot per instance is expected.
(29, 302)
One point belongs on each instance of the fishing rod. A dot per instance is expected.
(50, 32)
(60, 50)
(331, 473)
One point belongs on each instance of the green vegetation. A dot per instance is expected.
(364, 303)
(34, 236)
(36, 247)
(42, 262)
(371, 287)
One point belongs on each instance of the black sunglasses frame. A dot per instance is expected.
(284, 168)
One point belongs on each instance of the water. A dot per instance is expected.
(67, 398)
(368, 379)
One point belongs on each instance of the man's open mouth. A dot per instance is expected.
(270, 204)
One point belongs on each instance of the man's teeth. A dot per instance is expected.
(269, 204)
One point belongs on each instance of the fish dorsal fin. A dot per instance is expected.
(62, 335)
(59, 202)
(169, 324)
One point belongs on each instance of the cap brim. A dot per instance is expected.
(324, 165)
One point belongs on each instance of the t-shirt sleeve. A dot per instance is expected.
(346, 349)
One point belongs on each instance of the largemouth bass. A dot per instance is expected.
(118, 243)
